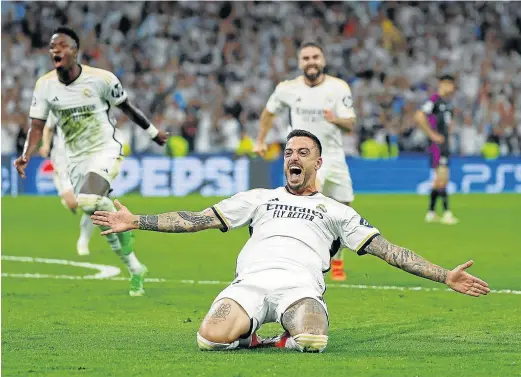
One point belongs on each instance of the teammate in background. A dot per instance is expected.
(279, 275)
(80, 98)
(63, 182)
(434, 118)
(322, 105)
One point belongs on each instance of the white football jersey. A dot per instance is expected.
(81, 109)
(307, 105)
(58, 153)
(292, 231)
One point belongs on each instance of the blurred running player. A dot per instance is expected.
(80, 98)
(435, 118)
(323, 105)
(62, 180)
(279, 274)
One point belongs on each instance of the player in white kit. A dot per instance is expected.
(62, 181)
(323, 105)
(80, 98)
(293, 232)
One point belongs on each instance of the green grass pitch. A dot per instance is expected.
(80, 327)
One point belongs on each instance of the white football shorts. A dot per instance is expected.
(106, 165)
(266, 295)
(335, 180)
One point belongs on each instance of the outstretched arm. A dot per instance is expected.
(171, 222)
(142, 121)
(31, 145)
(406, 260)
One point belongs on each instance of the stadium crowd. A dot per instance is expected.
(204, 70)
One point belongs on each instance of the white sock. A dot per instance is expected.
(206, 345)
(133, 264)
(86, 227)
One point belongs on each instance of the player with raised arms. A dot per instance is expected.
(294, 230)
(323, 105)
(80, 98)
(434, 118)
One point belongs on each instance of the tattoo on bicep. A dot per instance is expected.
(148, 222)
(405, 259)
(307, 316)
(220, 314)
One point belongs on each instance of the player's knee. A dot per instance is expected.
(213, 337)
(88, 202)
(310, 342)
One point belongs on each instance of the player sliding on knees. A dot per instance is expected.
(80, 98)
(279, 277)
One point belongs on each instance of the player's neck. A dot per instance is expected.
(304, 191)
(66, 76)
(319, 80)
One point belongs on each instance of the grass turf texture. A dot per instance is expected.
(93, 328)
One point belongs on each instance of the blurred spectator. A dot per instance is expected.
(204, 70)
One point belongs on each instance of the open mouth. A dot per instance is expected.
(295, 172)
(57, 60)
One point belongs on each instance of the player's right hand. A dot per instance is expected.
(437, 138)
(260, 149)
(20, 164)
(116, 222)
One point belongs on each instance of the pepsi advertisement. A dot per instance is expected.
(148, 175)
(222, 175)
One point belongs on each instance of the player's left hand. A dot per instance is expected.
(463, 282)
(329, 115)
(116, 222)
(161, 137)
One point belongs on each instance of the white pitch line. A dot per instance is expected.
(104, 275)
(217, 282)
(104, 270)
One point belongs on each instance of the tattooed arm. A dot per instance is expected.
(171, 222)
(406, 260)
(178, 222)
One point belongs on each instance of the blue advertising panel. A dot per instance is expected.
(412, 174)
(215, 175)
(223, 175)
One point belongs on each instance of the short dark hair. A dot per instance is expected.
(68, 31)
(303, 133)
(447, 77)
(310, 44)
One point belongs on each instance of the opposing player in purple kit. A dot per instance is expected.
(294, 230)
(80, 97)
(435, 118)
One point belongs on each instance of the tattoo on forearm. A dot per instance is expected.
(148, 222)
(179, 222)
(195, 218)
(305, 317)
(406, 260)
(220, 314)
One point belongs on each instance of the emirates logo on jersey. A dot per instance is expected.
(321, 207)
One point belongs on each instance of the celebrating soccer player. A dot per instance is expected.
(80, 98)
(323, 105)
(294, 230)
